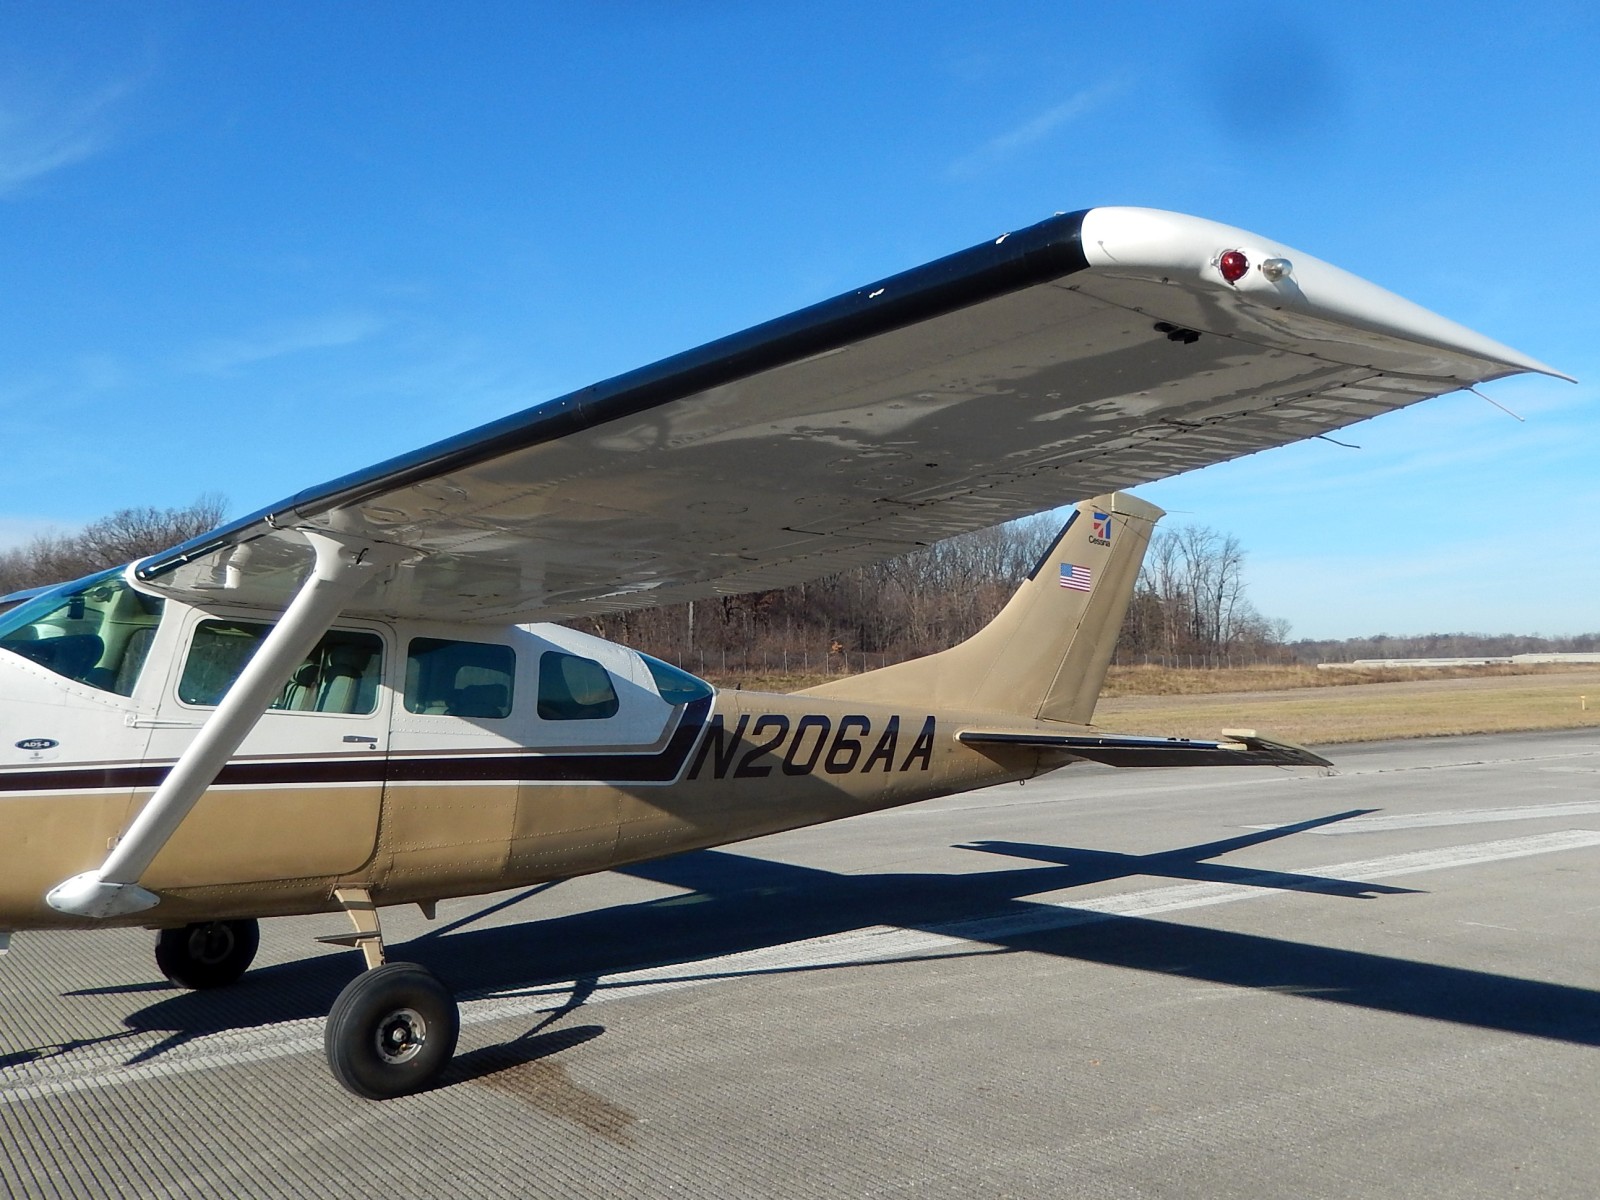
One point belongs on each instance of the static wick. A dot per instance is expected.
(1337, 442)
(1494, 402)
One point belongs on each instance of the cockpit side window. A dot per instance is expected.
(96, 631)
(340, 675)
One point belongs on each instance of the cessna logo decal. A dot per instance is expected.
(811, 743)
(1100, 529)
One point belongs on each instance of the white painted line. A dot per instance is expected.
(103, 1065)
(1458, 816)
(1505, 760)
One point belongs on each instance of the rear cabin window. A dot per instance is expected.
(574, 689)
(340, 675)
(459, 679)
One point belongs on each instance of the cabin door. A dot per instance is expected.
(302, 797)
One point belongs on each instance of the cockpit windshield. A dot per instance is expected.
(96, 631)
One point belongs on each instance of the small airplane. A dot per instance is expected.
(358, 697)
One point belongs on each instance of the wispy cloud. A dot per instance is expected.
(1034, 130)
(283, 338)
(61, 389)
(40, 134)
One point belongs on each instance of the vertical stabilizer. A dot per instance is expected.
(1045, 655)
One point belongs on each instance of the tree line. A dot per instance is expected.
(1189, 606)
(1190, 598)
(1441, 645)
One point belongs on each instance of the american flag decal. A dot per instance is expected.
(1079, 579)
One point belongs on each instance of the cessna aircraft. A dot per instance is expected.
(357, 697)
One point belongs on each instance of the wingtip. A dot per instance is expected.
(1158, 242)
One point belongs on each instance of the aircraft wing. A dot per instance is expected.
(1094, 351)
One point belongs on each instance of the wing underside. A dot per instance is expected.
(1093, 352)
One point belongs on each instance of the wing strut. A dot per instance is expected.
(342, 566)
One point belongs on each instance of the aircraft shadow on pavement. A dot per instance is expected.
(737, 903)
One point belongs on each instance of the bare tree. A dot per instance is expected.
(132, 533)
(1190, 601)
(124, 536)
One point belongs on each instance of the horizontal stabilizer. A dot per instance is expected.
(1240, 748)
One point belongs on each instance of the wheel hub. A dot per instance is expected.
(211, 944)
(401, 1035)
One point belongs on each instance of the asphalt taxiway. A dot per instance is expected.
(1185, 983)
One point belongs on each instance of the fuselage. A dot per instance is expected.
(416, 760)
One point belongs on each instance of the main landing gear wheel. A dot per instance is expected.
(391, 1031)
(208, 954)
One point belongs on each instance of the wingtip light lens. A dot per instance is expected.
(1276, 269)
(1233, 264)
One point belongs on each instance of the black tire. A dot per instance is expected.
(391, 1031)
(207, 954)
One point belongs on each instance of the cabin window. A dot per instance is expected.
(96, 631)
(340, 675)
(574, 689)
(459, 679)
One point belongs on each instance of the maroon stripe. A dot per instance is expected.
(661, 767)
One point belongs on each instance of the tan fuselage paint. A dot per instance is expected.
(763, 763)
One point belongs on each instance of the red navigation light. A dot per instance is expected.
(1233, 264)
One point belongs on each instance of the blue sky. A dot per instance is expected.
(249, 248)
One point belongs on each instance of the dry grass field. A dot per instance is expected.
(1481, 700)
(1174, 681)
(1302, 704)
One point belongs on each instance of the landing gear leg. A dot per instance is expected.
(208, 954)
(394, 1027)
